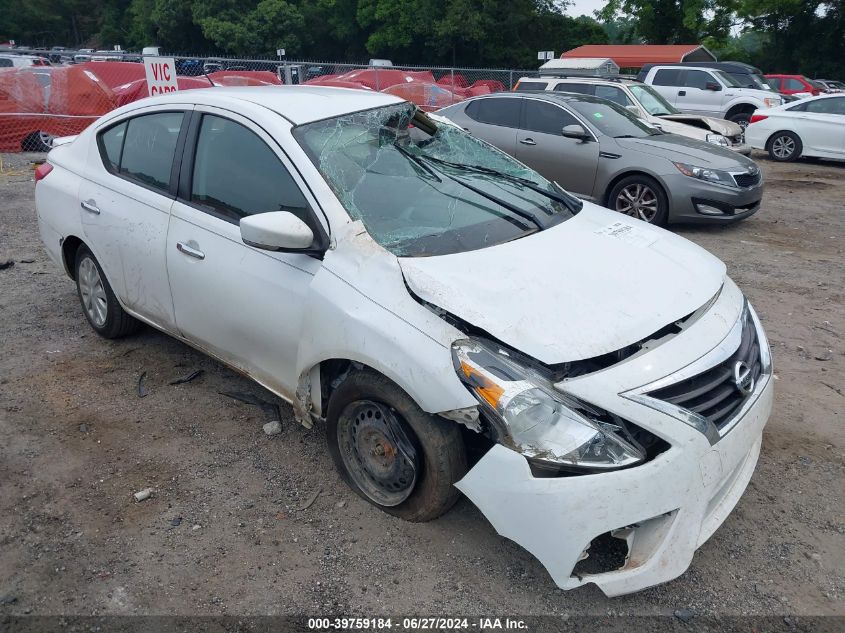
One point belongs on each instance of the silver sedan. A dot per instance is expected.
(600, 151)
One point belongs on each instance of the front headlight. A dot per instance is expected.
(705, 173)
(772, 102)
(717, 139)
(536, 419)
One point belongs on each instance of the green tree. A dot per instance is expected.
(674, 21)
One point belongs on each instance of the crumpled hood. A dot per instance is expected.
(719, 126)
(591, 285)
(678, 148)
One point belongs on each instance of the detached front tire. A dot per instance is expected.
(390, 452)
(784, 147)
(99, 303)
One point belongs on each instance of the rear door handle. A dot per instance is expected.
(682, 93)
(189, 251)
(90, 207)
(527, 141)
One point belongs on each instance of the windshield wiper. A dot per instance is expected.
(570, 202)
(416, 160)
(525, 215)
(513, 209)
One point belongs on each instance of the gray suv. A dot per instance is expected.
(602, 152)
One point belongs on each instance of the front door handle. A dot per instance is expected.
(90, 207)
(189, 250)
(527, 141)
(682, 93)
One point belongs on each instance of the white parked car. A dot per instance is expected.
(813, 127)
(424, 293)
(22, 61)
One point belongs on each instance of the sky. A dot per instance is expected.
(584, 7)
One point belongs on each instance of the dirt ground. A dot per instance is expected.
(227, 530)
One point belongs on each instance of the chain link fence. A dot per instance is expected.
(47, 94)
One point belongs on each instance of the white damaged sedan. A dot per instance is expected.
(456, 321)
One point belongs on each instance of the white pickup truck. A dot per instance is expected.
(708, 91)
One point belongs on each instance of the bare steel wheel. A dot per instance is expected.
(640, 197)
(99, 304)
(389, 451)
(377, 452)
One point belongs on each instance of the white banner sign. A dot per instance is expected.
(161, 75)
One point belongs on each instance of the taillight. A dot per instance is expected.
(757, 117)
(42, 170)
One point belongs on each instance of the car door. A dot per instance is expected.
(693, 95)
(243, 304)
(570, 162)
(667, 81)
(125, 208)
(495, 120)
(822, 125)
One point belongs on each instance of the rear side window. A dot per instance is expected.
(111, 142)
(612, 93)
(794, 84)
(826, 106)
(531, 85)
(142, 148)
(667, 77)
(236, 174)
(544, 117)
(503, 111)
(582, 89)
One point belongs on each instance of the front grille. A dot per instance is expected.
(714, 393)
(747, 180)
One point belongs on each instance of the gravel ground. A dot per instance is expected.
(228, 528)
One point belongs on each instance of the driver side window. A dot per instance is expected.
(544, 117)
(236, 174)
(698, 79)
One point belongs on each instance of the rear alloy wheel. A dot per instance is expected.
(390, 452)
(784, 147)
(640, 197)
(99, 304)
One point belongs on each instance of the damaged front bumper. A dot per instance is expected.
(663, 509)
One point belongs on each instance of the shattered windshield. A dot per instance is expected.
(424, 188)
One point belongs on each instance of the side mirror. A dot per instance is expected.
(712, 85)
(633, 110)
(276, 231)
(575, 130)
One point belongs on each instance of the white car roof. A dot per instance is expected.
(298, 104)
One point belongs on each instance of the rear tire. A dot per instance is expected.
(641, 197)
(784, 147)
(99, 303)
(390, 452)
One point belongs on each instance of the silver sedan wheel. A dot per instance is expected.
(783, 146)
(92, 292)
(639, 201)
